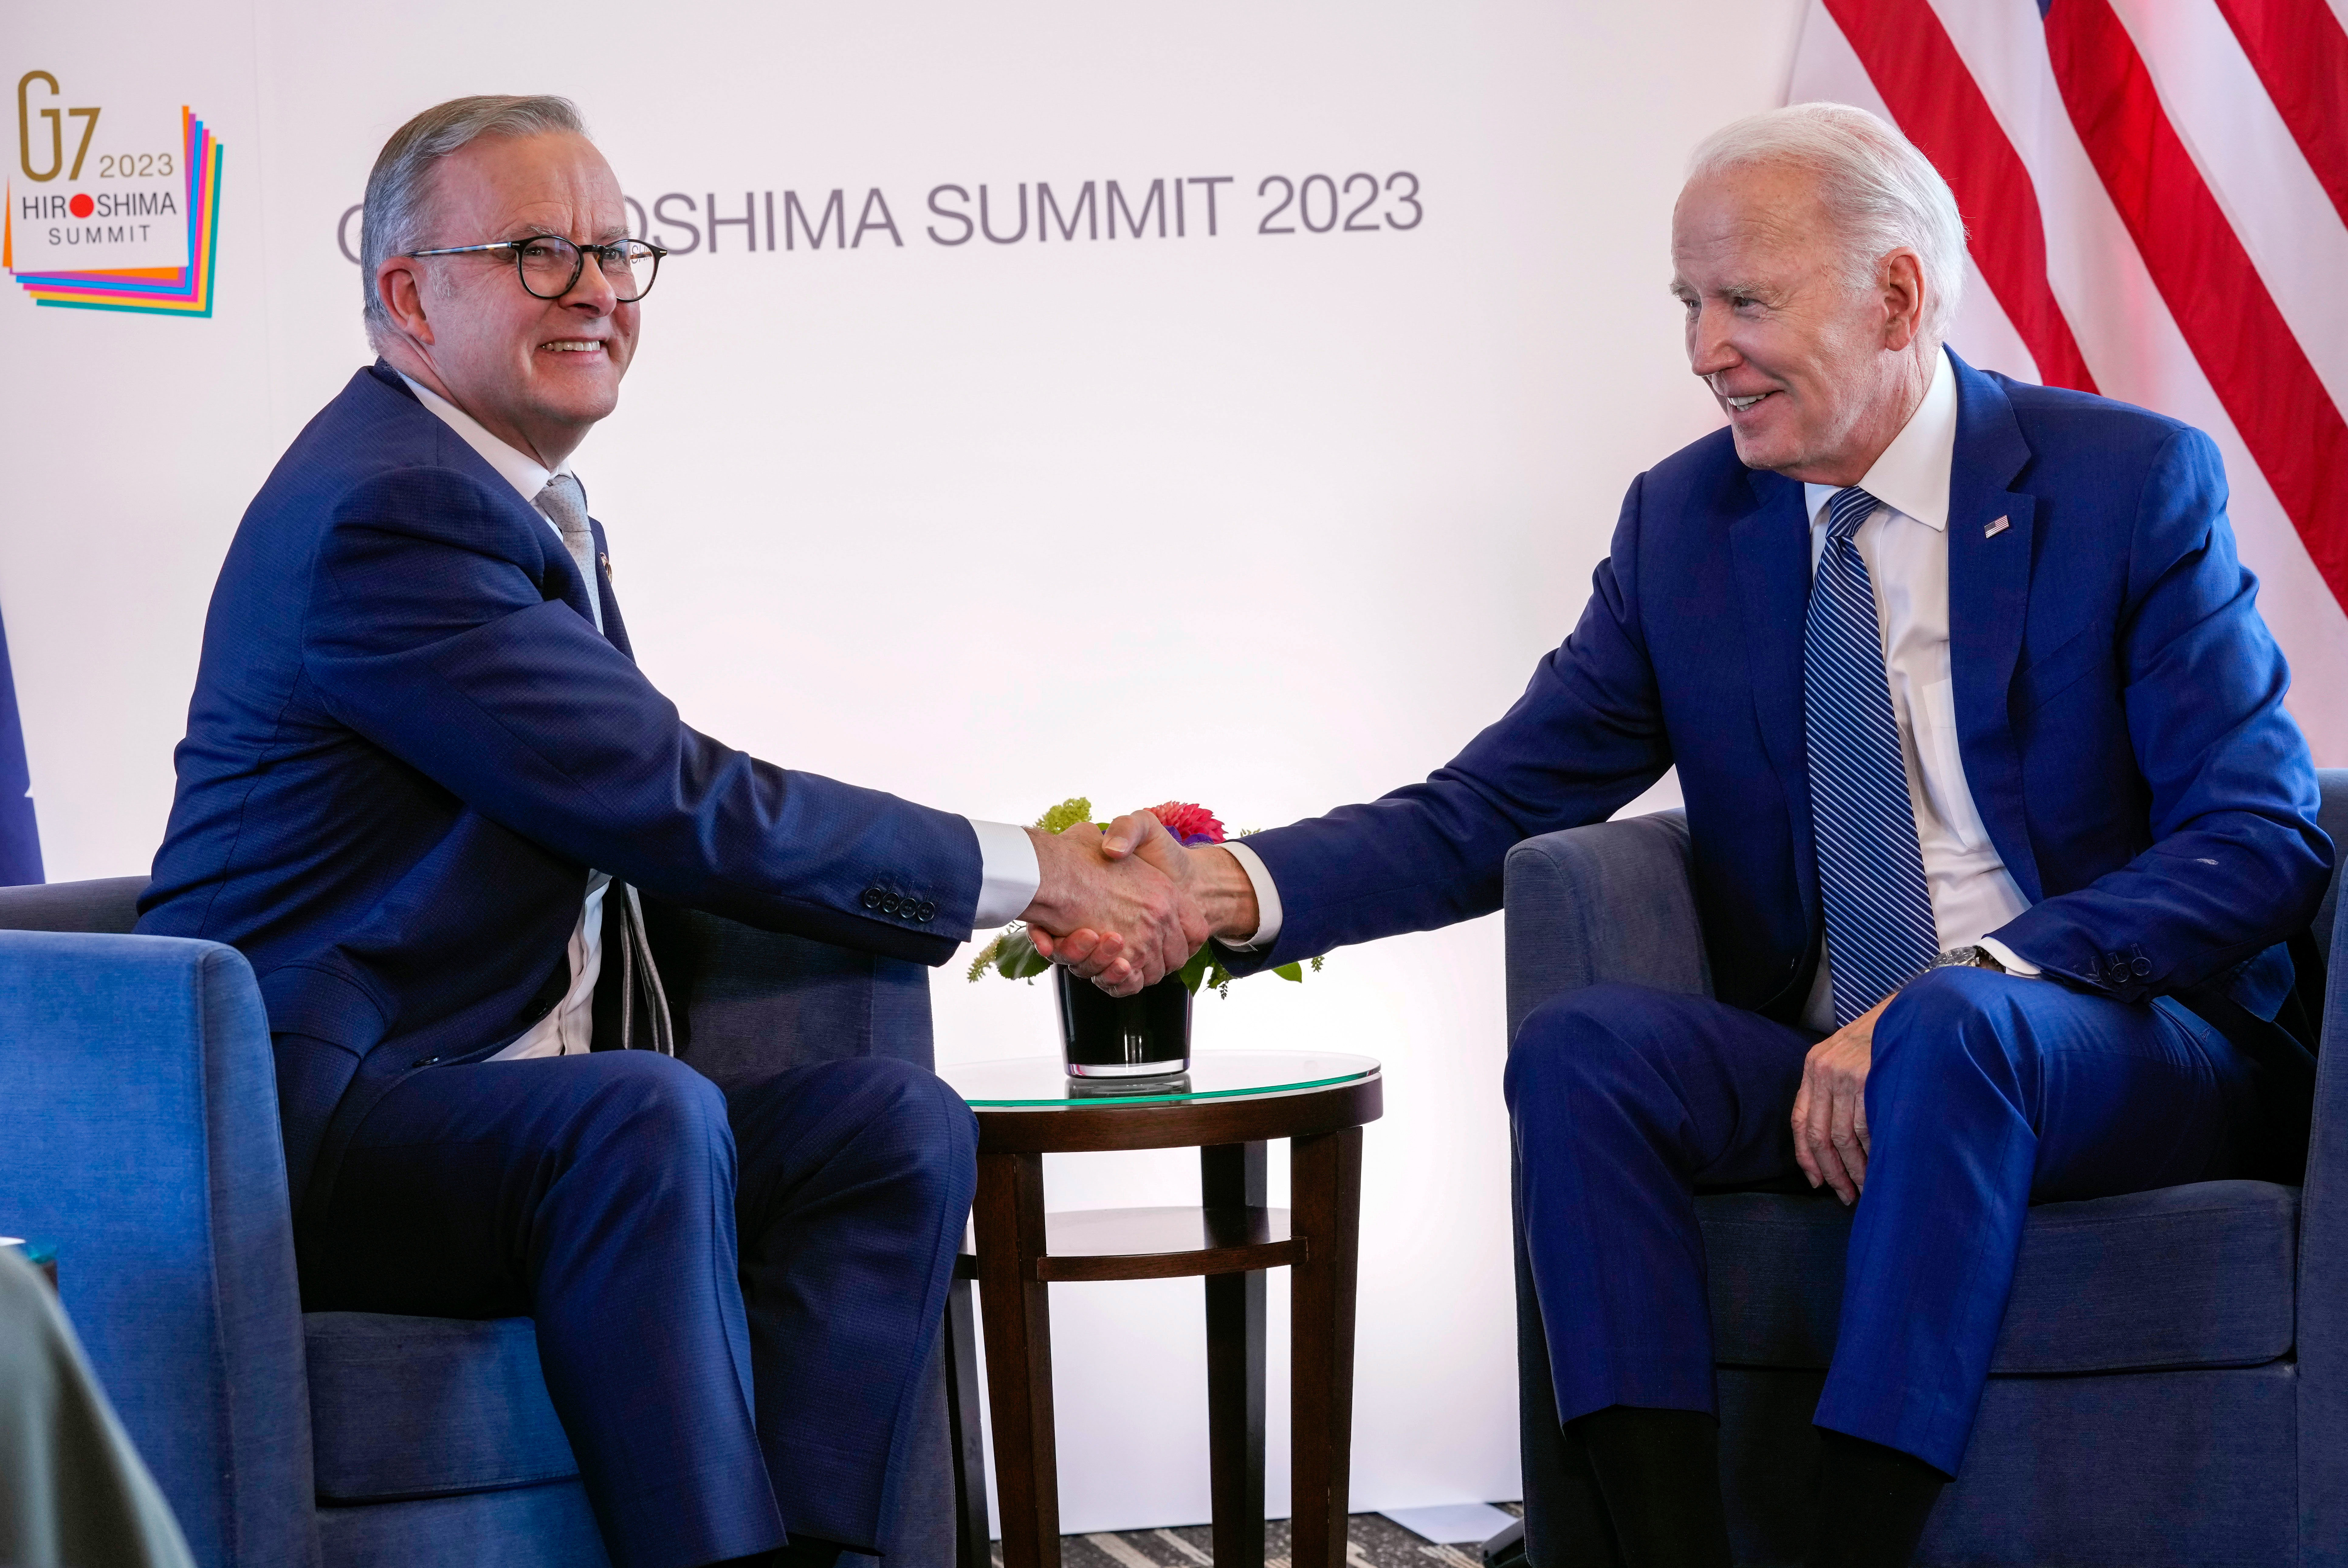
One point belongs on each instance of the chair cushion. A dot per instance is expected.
(427, 1406)
(539, 1527)
(2189, 1465)
(109, 905)
(2201, 1275)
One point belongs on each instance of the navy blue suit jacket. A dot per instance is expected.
(408, 743)
(2118, 700)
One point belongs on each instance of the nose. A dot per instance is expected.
(1709, 349)
(592, 293)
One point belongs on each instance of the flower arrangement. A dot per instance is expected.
(1013, 955)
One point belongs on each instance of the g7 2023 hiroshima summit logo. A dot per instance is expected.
(125, 218)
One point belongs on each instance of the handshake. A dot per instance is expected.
(1125, 907)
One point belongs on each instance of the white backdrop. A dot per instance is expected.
(1267, 522)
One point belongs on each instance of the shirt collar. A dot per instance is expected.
(517, 468)
(1911, 477)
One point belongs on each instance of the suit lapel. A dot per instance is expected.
(1991, 534)
(1771, 548)
(452, 447)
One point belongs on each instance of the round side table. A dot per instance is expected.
(1228, 1107)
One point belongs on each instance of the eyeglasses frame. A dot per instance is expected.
(603, 254)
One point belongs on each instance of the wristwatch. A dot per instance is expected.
(1972, 957)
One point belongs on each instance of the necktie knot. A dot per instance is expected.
(1845, 509)
(564, 505)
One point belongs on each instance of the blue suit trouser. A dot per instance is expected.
(715, 1396)
(1987, 1093)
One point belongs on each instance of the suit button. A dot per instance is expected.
(927, 913)
(871, 898)
(889, 904)
(2141, 967)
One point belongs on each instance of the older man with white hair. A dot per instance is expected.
(1993, 805)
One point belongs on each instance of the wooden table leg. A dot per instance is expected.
(1326, 1192)
(1009, 1215)
(1232, 1175)
(968, 1443)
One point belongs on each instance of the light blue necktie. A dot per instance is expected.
(563, 503)
(1880, 929)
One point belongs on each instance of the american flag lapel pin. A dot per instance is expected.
(1994, 528)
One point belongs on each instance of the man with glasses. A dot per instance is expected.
(422, 781)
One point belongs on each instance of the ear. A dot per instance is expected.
(399, 283)
(1903, 299)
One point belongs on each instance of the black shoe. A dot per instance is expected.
(1873, 1503)
(1507, 1548)
(1659, 1474)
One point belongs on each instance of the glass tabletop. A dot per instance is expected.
(1042, 1083)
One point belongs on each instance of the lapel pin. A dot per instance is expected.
(1994, 528)
(606, 560)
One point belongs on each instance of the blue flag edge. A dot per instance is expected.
(20, 836)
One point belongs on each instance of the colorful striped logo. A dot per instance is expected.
(155, 290)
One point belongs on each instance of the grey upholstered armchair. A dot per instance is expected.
(2171, 1384)
(143, 1139)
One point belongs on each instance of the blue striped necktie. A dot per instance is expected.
(1880, 929)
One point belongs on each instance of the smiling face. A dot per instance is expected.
(1815, 375)
(537, 373)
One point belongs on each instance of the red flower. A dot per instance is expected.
(1189, 823)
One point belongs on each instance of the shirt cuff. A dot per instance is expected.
(2014, 965)
(1008, 874)
(1267, 897)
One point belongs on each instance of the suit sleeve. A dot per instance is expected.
(1583, 740)
(2237, 861)
(429, 634)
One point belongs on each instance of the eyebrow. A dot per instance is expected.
(539, 231)
(1738, 290)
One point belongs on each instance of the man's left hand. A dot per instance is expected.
(1830, 1140)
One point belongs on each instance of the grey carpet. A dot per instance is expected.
(1373, 1541)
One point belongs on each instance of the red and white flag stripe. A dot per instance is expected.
(2156, 195)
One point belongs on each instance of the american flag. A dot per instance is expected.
(2156, 200)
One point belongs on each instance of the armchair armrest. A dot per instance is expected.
(2323, 1327)
(749, 1002)
(143, 1138)
(110, 903)
(1607, 901)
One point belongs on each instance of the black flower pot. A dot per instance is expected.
(1146, 1035)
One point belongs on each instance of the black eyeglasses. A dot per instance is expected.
(551, 265)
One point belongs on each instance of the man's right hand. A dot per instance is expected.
(1209, 873)
(1121, 924)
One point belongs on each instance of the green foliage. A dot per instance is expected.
(1012, 955)
(1206, 969)
(986, 956)
(1065, 815)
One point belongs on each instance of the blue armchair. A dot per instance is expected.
(141, 1136)
(2171, 1382)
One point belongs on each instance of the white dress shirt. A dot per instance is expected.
(1009, 873)
(1905, 544)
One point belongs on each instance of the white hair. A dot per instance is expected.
(1882, 192)
(399, 188)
